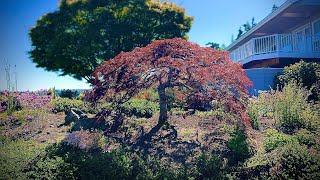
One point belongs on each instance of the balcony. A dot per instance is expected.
(278, 46)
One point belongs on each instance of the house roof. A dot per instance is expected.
(288, 15)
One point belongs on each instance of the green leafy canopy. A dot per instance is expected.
(81, 34)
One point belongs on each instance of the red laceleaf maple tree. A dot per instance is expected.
(194, 72)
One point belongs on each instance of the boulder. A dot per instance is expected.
(87, 124)
(74, 115)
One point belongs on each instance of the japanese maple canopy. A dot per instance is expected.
(202, 72)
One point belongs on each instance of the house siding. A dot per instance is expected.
(262, 78)
(308, 21)
(274, 44)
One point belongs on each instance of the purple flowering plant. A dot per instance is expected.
(2, 108)
(28, 99)
(31, 100)
(84, 140)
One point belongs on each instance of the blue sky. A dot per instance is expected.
(214, 21)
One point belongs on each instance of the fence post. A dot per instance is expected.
(253, 46)
(277, 43)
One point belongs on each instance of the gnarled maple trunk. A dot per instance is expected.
(163, 117)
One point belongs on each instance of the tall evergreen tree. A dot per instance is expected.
(274, 7)
(240, 32)
(247, 26)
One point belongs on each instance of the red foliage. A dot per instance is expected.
(203, 73)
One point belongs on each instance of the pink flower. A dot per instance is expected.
(3, 108)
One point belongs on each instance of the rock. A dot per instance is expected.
(74, 115)
(87, 124)
(71, 117)
(17, 123)
(83, 116)
(84, 124)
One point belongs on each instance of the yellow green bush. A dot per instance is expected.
(289, 108)
(294, 161)
(64, 104)
(140, 107)
(275, 139)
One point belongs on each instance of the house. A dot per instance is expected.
(287, 35)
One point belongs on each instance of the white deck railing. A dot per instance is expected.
(277, 43)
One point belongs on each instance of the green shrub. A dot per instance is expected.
(10, 103)
(259, 107)
(51, 168)
(67, 93)
(140, 107)
(216, 112)
(290, 108)
(238, 146)
(294, 161)
(305, 137)
(306, 74)
(275, 139)
(17, 155)
(92, 164)
(68, 161)
(163, 169)
(172, 101)
(209, 167)
(149, 94)
(64, 104)
(101, 106)
(253, 113)
(289, 161)
(139, 168)
(52, 93)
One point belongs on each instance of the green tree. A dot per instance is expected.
(240, 32)
(67, 93)
(213, 45)
(81, 34)
(274, 7)
(247, 26)
(216, 46)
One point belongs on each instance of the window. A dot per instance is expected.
(303, 30)
(316, 27)
(316, 41)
